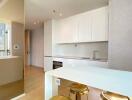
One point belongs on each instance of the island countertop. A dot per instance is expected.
(101, 78)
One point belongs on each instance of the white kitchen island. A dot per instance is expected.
(94, 76)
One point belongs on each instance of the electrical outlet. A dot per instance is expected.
(57, 81)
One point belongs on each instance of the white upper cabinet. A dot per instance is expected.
(68, 30)
(91, 26)
(100, 24)
(84, 27)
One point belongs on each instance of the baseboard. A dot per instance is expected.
(16, 98)
(41, 67)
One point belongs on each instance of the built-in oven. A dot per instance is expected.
(57, 64)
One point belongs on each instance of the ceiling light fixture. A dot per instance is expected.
(54, 11)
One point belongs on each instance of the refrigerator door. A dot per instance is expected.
(48, 63)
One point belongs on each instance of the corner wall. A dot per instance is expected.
(120, 35)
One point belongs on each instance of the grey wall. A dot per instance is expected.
(120, 35)
(17, 37)
(37, 47)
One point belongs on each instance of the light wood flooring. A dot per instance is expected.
(34, 83)
(11, 90)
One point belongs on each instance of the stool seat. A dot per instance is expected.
(60, 98)
(105, 95)
(79, 91)
(79, 88)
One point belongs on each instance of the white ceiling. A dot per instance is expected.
(12, 10)
(40, 10)
(2, 2)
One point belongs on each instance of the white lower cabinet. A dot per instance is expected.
(48, 63)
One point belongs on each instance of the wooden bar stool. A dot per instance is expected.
(79, 90)
(60, 98)
(105, 95)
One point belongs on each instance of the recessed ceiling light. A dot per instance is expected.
(54, 11)
(38, 21)
(34, 23)
(60, 14)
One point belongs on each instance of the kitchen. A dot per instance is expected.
(70, 50)
(91, 43)
(85, 41)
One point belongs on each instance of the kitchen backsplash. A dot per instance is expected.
(82, 50)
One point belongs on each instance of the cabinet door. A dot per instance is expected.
(84, 27)
(100, 24)
(68, 30)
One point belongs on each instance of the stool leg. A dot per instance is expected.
(87, 97)
(78, 96)
(72, 96)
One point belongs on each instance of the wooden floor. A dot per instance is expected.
(34, 84)
(11, 90)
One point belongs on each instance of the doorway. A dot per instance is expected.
(27, 48)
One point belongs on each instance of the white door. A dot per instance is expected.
(48, 63)
(84, 28)
(100, 24)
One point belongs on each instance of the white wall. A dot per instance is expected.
(13, 10)
(120, 37)
(37, 47)
(83, 50)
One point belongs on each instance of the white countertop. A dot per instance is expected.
(102, 78)
(8, 57)
(80, 58)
